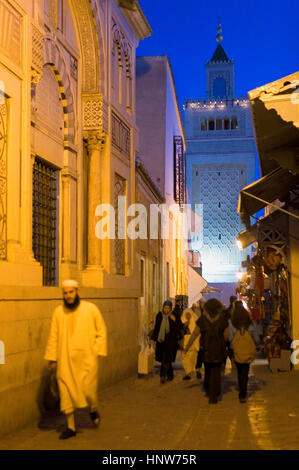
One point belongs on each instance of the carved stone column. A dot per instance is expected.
(94, 141)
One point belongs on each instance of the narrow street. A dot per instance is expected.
(140, 414)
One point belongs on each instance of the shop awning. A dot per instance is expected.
(196, 284)
(277, 221)
(275, 185)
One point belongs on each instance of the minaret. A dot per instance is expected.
(220, 162)
(220, 73)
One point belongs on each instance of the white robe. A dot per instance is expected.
(76, 339)
(189, 358)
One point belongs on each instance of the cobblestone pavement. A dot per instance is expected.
(140, 413)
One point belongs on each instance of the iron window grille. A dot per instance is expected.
(120, 135)
(179, 171)
(44, 220)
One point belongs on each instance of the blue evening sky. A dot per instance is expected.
(261, 36)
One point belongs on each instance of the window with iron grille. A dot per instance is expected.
(120, 135)
(120, 189)
(179, 171)
(44, 220)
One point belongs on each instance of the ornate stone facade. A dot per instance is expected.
(61, 127)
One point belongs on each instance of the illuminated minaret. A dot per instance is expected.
(220, 161)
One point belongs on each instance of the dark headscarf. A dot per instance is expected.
(167, 303)
(213, 307)
(241, 318)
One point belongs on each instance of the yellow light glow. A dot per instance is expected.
(239, 275)
(239, 244)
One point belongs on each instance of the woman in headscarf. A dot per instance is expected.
(213, 328)
(241, 322)
(166, 334)
(189, 358)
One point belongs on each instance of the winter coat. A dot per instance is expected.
(212, 340)
(166, 351)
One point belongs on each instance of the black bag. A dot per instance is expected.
(212, 342)
(51, 392)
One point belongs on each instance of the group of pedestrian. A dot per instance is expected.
(208, 338)
(78, 336)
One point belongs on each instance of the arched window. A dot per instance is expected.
(211, 124)
(218, 124)
(219, 87)
(226, 123)
(203, 124)
(234, 123)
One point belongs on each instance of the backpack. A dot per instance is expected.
(243, 346)
(212, 342)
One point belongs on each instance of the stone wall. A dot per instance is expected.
(24, 326)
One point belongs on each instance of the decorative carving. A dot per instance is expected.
(94, 140)
(90, 56)
(35, 78)
(54, 59)
(93, 112)
(74, 67)
(11, 33)
(3, 176)
(121, 44)
(37, 49)
(217, 187)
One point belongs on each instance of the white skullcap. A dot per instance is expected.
(70, 283)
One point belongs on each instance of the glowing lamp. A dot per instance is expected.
(247, 237)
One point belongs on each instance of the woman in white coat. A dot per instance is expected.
(189, 358)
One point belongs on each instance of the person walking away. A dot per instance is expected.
(189, 358)
(213, 328)
(199, 311)
(77, 337)
(166, 334)
(228, 314)
(244, 339)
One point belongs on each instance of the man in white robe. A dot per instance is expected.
(77, 337)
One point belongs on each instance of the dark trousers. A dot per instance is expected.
(199, 360)
(212, 380)
(166, 370)
(243, 372)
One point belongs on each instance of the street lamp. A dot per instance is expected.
(240, 275)
(247, 237)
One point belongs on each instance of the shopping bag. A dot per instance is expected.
(146, 360)
(228, 366)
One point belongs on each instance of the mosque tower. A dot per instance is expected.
(220, 161)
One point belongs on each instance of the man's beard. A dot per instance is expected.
(74, 304)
